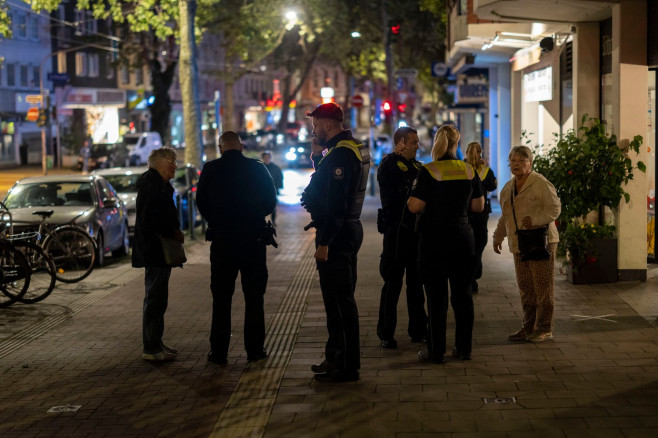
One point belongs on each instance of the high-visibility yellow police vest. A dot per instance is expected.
(483, 172)
(360, 150)
(450, 170)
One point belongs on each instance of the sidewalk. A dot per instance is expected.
(599, 377)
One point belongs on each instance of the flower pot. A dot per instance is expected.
(601, 266)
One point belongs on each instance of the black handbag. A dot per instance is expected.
(532, 243)
(173, 250)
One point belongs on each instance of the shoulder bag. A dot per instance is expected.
(173, 250)
(532, 243)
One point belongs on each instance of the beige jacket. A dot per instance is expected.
(536, 199)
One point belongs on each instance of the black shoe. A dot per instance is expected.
(389, 343)
(323, 367)
(337, 376)
(461, 355)
(257, 356)
(215, 358)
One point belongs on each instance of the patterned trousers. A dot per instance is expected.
(536, 280)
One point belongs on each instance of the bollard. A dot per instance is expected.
(191, 214)
(179, 209)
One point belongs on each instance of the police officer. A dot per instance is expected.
(396, 174)
(445, 191)
(479, 220)
(234, 194)
(334, 197)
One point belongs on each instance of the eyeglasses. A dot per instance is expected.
(171, 162)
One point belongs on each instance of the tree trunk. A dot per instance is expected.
(161, 107)
(285, 96)
(189, 84)
(228, 122)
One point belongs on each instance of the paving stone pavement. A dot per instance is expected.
(80, 349)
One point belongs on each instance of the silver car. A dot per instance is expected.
(90, 198)
(124, 180)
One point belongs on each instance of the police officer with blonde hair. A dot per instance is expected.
(446, 190)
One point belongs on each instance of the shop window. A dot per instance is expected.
(93, 65)
(81, 64)
(23, 70)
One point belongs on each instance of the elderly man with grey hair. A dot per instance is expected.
(156, 216)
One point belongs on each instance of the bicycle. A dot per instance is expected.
(42, 275)
(15, 273)
(72, 249)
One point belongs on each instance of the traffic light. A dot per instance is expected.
(43, 117)
(393, 31)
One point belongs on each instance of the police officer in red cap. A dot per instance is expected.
(334, 198)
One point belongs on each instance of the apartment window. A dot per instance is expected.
(35, 76)
(463, 7)
(20, 26)
(81, 64)
(11, 75)
(61, 15)
(61, 63)
(23, 69)
(85, 23)
(94, 66)
(139, 76)
(34, 27)
(125, 75)
(109, 66)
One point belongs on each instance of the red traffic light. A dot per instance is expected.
(386, 106)
(395, 29)
(402, 107)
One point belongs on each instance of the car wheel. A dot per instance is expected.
(125, 242)
(100, 250)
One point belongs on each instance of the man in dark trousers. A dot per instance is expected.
(396, 174)
(234, 194)
(334, 198)
(276, 174)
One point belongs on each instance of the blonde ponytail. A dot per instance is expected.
(445, 141)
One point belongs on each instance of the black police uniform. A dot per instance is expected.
(479, 222)
(396, 175)
(335, 198)
(234, 195)
(446, 249)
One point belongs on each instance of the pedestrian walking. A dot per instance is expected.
(277, 177)
(156, 217)
(334, 198)
(479, 221)
(531, 198)
(396, 174)
(234, 194)
(446, 190)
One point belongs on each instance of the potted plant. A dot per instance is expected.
(589, 169)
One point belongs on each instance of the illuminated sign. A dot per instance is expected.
(538, 85)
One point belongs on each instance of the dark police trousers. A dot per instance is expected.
(228, 256)
(400, 255)
(156, 281)
(479, 223)
(338, 283)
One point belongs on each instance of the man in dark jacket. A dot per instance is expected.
(156, 216)
(234, 195)
(396, 175)
(335, 198)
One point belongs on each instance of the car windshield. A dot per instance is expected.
(49, 194)
(130, 141)
(124, 183)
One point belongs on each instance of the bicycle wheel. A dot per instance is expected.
(14, 274)
(73, 252)
(42, 279)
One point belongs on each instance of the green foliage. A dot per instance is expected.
(588, 169)
(5, 24)
(576, 241)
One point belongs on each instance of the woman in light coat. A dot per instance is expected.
(535, 204)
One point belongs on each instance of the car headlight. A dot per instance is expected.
(291, 156)
(300, 150)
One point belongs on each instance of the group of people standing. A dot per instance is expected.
(433, 218)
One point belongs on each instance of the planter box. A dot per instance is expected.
(603, 270)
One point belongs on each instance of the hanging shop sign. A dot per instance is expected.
(538, 85)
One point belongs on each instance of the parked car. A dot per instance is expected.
(139, 147)
(185, 183)
(124, 180)
(90, 198)
(299, 154)
(104, 155)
